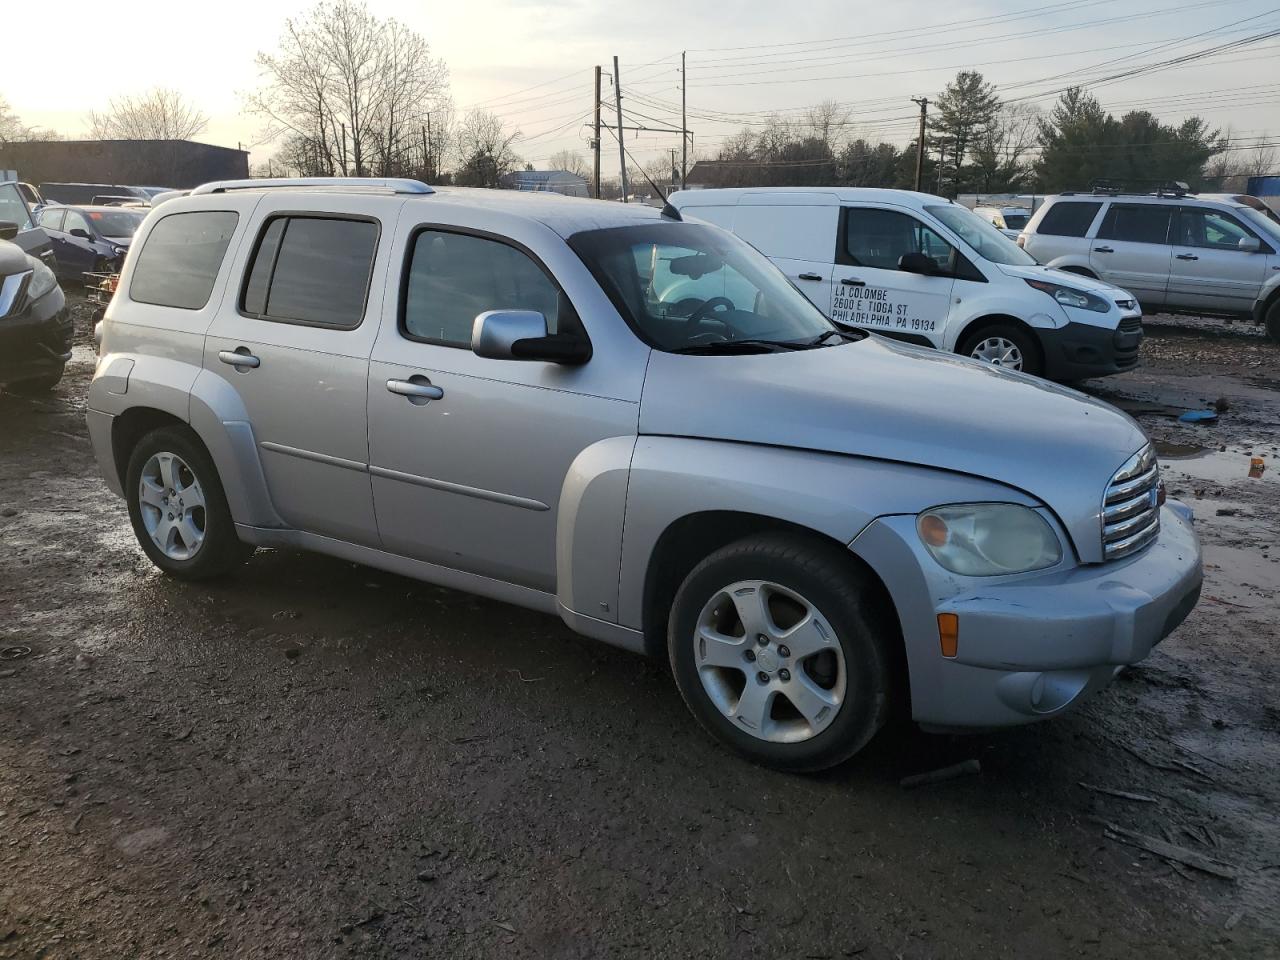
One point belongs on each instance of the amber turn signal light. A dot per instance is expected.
(949, 633)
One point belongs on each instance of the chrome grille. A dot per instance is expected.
(1131, 506)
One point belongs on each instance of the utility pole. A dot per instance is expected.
(595, 142)
(430, 160)
(684, 122)
(924, 114)
(622, 150)
(674, 171)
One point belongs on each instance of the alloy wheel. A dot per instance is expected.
(172, 505)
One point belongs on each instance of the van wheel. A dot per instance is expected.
(780, 650)
(178, 509)
(1003, 345)
(1273, 320)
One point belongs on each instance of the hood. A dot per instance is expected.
(1076, 280)
(119, 241)
(889, 401)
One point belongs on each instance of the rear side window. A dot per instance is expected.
(311, 270)
(1136, 223)
(179, 261)
(1068, 218)
(453, 277)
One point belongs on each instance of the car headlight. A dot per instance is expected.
(42, 279)
(1070, 297)
(988, 539)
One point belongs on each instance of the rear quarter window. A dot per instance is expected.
(1068, 218)
(180, 258)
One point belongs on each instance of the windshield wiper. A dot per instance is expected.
(732, 346)
(849, 336)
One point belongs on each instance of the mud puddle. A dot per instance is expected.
(1194, 462)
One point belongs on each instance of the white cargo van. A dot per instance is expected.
(922, 269)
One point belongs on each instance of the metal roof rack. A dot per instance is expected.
(1124, 188)
(380, 184)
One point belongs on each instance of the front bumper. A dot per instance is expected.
(1078, 351)
(1032, 646)
(36, 341)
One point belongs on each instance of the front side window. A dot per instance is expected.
(454, 277)
(180, 258)
(1068, 218)
(51, 218)
(686, 286)
(880, 238)
(311, 270)
(13, 208)
(1136, 223)
(76, 221)
(988, 242)
(1210, 229)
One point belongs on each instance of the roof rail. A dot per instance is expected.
(385, 184)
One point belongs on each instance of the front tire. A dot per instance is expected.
(1004, 345)
(178, 508)
(1273, 321)
(781, 650)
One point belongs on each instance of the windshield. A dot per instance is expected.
(685, 286)
(1266, 222)
(115, 223)
(986, 240)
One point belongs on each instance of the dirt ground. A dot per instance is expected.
(315, 759)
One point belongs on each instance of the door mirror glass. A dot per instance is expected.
(522, 335)
(1250, 244)
(8, 229)
(80, 232)
(917, 263)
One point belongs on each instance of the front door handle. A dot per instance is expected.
(809, 276)
(239, 357)
(850, 282)
(417, 389)
(1103, 250)
(1187, 256)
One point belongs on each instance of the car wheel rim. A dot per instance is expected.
(998, 352)
(769, 661)
(172, 505)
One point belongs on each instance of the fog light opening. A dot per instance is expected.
(949, 634)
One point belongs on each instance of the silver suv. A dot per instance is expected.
(635, 423)
(1174, 251)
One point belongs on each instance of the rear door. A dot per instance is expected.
(293, 338)
(867, 288)
(1132, 250)
(798, 233)
(1209, 270)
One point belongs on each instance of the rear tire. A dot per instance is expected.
(178, 508)
(1005, 345)
(37, 385)
(819, 686)
(1273, 320)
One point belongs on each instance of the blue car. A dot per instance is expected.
(89, 239)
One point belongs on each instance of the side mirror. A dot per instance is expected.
(522, 335)
(1250, 244)
(8, 229)
(80, 232)
(917, 263)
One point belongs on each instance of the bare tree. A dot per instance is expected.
(11, 126)
(571, 161)
(158, 114)
(1001, 154)
(485, 149)
(352, 93)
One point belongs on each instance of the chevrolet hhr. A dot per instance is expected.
(638, 424)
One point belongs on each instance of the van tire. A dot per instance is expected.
(219, 550)
(1028, 348)
(858, 676)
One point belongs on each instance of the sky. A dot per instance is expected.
(531, 62)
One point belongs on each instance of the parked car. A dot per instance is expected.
(85, 192)
(35, 329)
(919, 268)
(89, 239)
(518, 395)
(1176, 251)
(30, 237)
(1008, 220)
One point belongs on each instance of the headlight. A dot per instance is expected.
(988, 539)
(42, 279)
(1070, 297)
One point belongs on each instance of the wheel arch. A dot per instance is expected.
(996, 319)
(130, 427)
(1078, 270)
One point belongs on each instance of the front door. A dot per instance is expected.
(1209, 270)
(867, 288)
(1132, 250)
(293, 339)
(469, 455)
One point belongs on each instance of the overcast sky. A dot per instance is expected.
(745, 59)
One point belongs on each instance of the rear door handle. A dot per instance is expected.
(417, 389)
(809, 276)
(1187, 256)
(850, 282)
(239, 357)
(1103, 250)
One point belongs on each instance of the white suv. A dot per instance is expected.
(928, 271)
(1177, 252)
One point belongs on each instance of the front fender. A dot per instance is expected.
(833, 495)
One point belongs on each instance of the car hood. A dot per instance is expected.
(1076, 280)
(889, 401)
(119, 241)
